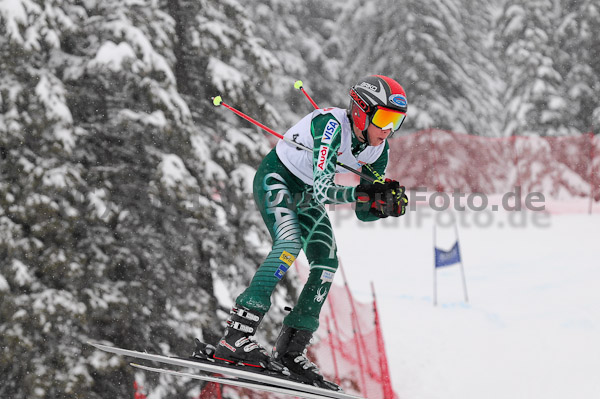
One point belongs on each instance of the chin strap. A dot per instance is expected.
(364, 132)
(366, 137)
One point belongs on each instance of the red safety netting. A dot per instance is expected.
(559, 167)
(349, 348)
(440, 160)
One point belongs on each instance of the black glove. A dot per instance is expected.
(393, 205)
(387, 198)
(370, 192)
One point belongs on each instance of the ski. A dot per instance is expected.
(234, 382)
(260, 377)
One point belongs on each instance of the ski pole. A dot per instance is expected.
(217, 101)
(298, 85)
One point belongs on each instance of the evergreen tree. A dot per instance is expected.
(427, 47)
(125, 206)
(305, 39)
(579, 51)
(534, 100)
(121, 205)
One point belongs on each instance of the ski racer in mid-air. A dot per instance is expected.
(291, 188)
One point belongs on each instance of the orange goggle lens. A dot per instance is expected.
(385, 118)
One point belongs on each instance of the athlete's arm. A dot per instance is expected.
(327, 136)
(379, 166)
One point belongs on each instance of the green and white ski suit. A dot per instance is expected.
(291, 188)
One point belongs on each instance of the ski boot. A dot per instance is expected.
(290, 350)
(237, 345)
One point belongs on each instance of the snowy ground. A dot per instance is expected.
(532, 326)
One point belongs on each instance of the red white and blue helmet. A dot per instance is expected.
(378, 100)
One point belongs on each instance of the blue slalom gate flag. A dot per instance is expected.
(447, 258)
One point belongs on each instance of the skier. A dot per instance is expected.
(291, 188)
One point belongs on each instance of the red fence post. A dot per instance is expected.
(592, 182)
(513, 139)
(332, 310)
(355, 328)
(333, 349)
(388, 392)
(138, 394)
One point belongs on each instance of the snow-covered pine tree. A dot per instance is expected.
(305, 39)
(42, 200)
(428, 47)
(120, 205)
(534, 99)
(220, 40)
(482, 65)
(577, 62)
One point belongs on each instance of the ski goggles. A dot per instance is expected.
(386, 118)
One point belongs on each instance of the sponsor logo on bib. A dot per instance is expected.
(323, 151)
(287, 257)
(327, 276)
(329, 132)
(281, 271)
